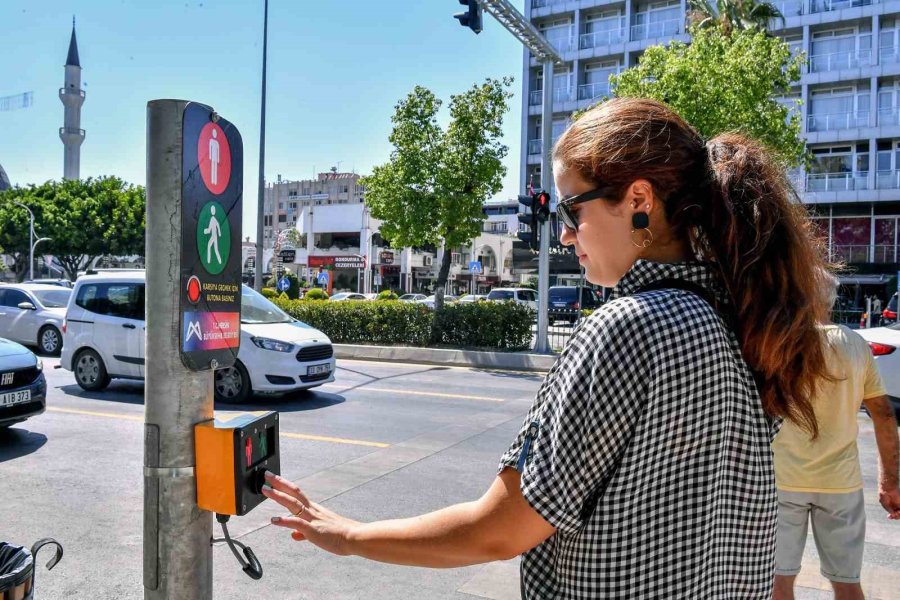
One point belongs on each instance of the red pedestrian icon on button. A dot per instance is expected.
(214, 158)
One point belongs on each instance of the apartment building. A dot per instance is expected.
(850, 90)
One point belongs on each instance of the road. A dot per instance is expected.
(383, 441)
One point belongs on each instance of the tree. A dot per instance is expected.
(731, 15)
(721, 83)
(84, 219)
(433, 188)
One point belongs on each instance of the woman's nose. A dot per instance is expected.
(567, 237)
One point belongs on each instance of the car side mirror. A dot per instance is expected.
(27, 306)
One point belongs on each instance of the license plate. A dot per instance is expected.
(11, 398)
(559, 304)
(318, 369)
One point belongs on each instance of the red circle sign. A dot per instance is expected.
(193, 289)
(214, 158)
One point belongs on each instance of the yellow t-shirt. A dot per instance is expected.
(830, 464)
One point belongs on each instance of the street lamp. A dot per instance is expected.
(31, 243)
(36, 242)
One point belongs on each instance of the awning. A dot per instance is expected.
(864, 279)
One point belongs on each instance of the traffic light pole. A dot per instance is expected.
(541, 344)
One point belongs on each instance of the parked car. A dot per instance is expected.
(23, 389)
(472, 298)
(429, 301)
(885, 345)
(60, 282)
(889, 314)
(104, 335)
(344, 296)
(371, 296)
(412, 297)
(564, 304)
(525, 296)
(32, 313)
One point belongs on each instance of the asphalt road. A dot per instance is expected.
(383, 441)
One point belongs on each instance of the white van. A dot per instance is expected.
(104, 331)
(525, 296)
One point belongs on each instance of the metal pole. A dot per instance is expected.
(177, 551)
(541, 343)
(257, 283)
(30, 240)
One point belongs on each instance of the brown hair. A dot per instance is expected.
(735, 207)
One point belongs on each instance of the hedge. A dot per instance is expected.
(488, 325)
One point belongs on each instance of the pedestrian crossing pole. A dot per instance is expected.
(177, 550)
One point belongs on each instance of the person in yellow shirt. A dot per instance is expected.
(819, 479)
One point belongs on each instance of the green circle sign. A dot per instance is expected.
(213, 238)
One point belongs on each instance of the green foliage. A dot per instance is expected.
(731, 15)
(84, 219)
(433, 189)
(316, 294)
(387, 295)
(496, 325)
(269, 293)
(487, 325)
(722, 83)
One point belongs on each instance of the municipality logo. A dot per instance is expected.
(194, 330)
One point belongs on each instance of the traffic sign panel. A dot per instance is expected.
(211, 206)
(284, 284)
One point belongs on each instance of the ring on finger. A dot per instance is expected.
(299, 511)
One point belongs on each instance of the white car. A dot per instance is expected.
(429, 301)
(104, 335)
(344, 296)
(885, 345)
(524, 296)
(32, 313)
(412, 297)
(471, 298)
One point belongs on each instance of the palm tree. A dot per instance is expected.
(731, 15)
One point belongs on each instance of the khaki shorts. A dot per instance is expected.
(839, 528)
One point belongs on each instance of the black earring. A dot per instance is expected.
(640, 220)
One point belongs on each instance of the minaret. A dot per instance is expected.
(72, 97)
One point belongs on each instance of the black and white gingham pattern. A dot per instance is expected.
(651, 455)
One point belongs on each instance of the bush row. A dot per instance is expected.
(488, 325)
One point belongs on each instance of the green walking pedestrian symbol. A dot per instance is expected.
(213, 238)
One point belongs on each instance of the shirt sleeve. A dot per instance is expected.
(582, 420)
(873, 387)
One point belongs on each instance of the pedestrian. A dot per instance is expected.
(819, 478)
(876, 311)
(644, 467)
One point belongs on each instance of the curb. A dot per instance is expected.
(511, 361)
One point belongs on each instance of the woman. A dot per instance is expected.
(643, 468)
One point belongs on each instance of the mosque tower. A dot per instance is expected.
(72, 97)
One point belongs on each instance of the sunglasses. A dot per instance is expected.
(569, 217)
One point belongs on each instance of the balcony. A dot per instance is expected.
(851, 253)
(545, 3)
(820, 6)
(602, 38)
(887, 180)
(889, 54)
(890, 116)
(647, 31)
(837, 182)
(71, 131)
(593, 90)
(71, 91)
(789, 8)
(831, 122)
(562, 44)
(534, 147)
(834, 61)
(535, 98)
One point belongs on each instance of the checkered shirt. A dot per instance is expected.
(648, 450)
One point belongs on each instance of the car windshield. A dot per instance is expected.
(53, 298)
(895, 326)
(565, 293)
(500, 295)
(255, 309)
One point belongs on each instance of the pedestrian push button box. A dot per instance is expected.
(233, 452)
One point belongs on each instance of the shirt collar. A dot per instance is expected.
(645, 272)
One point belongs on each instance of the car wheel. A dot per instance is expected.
(49, 340)
(232, 384)
(90, 372)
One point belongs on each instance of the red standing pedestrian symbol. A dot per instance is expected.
(214, 158)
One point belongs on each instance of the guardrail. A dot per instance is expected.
(832, 121)
(602, 38)
(646, 31)
(837, 182)
(833, 61)
(590, 91)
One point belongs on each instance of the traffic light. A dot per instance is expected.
(471, 18)
(529, 219)
(541, 206)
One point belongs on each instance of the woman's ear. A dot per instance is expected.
(639, 196)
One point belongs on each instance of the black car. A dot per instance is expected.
(564, 305)
(23, 389)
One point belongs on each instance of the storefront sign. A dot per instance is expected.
(387, 258)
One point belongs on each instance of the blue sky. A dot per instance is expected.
(336, 70)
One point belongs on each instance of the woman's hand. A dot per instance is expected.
(324, 528)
